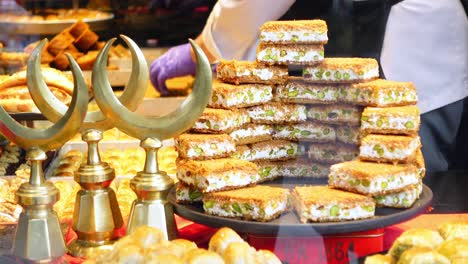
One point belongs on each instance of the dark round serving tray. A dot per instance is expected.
(289, 223)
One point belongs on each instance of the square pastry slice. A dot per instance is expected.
(297, 54)
(217, 174)
(203, 146)
(298, 91)
(342, 70)
(402, 199)
(277, 113)
(324, 204)
(238, 72)
(258, 203)
(335, 114)
(268, 150)
(332, 153)
(348, 134)
(186, 194)
(379, 93)
(294, 32)
(402, 120)
(307, 131)
(220, 121)
(225, 95)
(371, 178)
(301, 168)
(389, 148)
(252, 133)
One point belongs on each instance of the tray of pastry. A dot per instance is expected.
(289, 222)
(53, 21)
(124, 155)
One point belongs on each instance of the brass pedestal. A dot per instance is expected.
(97, 213)
(38, 236)
(152, 186)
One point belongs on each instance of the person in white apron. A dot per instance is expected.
(425, 42)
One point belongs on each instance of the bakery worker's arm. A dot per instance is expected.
(231, 32)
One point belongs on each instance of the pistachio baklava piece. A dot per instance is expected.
(389, 148)
(238, 72)
(307, 131)
(228, 96)
(186, 194)
(219, 121)
(268, 150)
(335, 114)
(414, 237)
(379, 93)
(342, 70)
(217, 174)
(277, 113)
(422, 255)
(332, 153)
(252, 133)
(258, 203)
(402, 199)
(454, 229)
(294, 32)
(401, 120)
(371, 178)
(324, 204)
(348, 134)
(298, 91)
(204, 146)
(297, 54)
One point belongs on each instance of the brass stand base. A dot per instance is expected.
(33, 228)
(87, 249)
(156, 213)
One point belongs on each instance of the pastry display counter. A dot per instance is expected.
(337, 146)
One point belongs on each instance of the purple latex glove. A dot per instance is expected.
(176, 62)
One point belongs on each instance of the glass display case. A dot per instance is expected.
(310, 120)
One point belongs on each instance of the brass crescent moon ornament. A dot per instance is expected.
(56, 135)
(163, 127)
(53, 109)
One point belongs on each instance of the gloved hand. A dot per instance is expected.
(176, 62)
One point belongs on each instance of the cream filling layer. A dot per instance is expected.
(188, 194)
(210, 149)
(311, 93)
(283, 55)
(254, 95)
(335, 212)
(305, 131)
(347, 135)
(382, 151)
(394, 96)
(238, 210)
(251, 131)
(293, 36)
(374, 185)
(389, 122)
(272, 153)
(400, 199)
(278, 115)
(216, 181)
(320, 74)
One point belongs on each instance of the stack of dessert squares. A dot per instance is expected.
(208, 167)
(390, 167)
(261, 123)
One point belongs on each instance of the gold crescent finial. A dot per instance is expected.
(56, 135)
(163, 127)
(53, 109)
